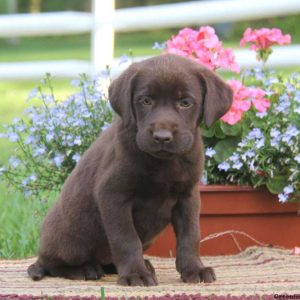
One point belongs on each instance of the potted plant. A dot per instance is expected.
(252, 153)
(252, 171)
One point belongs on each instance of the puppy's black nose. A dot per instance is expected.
(162, 136)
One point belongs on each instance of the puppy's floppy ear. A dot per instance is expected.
(217, 99)
(120, 94)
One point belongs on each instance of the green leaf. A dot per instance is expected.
(276, 184)
(258, 181)
(219, 132)
(259, 123)
(233, 130)
(225, 148)
(208, 132)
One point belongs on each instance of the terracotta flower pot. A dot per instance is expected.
(240, 217)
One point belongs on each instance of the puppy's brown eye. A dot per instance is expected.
(184, 103)
(146, 101)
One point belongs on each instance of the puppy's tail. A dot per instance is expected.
(36, 271)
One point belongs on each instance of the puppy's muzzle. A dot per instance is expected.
(162, 136)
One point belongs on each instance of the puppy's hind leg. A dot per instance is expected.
(86, 271)
(36, 271)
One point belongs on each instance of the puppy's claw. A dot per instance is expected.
(138, 280)
(92, 272)
(149, 266)
(205, 275)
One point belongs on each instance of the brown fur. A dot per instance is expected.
(140, 175)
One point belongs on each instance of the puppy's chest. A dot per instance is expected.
(162, 186)
(168, 179)
(152, 212)
(156, 196)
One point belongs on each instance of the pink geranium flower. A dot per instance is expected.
(204, 47)
(260, 103)
(241, 102)
(242, 98)
(261, 40)
(264, 38)
(207, 37)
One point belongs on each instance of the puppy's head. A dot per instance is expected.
(165, 98)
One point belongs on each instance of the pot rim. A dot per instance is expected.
(227, 188)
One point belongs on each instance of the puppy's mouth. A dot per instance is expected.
(163, 154)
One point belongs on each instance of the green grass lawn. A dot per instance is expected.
(20, 218)
(20, 221)
(77, 46)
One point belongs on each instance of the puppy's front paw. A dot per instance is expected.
(198, 274)
(138, 279)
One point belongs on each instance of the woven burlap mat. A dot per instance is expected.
(255, 271)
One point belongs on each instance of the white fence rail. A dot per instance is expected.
(200, 12)
(17, 25)
(104, 20)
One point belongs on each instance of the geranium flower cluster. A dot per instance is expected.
(243, 97)
(261, 41)
(204, 47)
(52, 136)
(264, 38)
(256, 142)
(268, 153)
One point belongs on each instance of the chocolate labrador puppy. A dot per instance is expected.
(140, 175)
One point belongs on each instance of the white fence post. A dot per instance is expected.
(102, 34)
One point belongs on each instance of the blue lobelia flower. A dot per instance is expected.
(58, 160)
(237, 165)
(30, 139)
(225, 166)
(77, 141)
(105, 126)
(284, 104)
(255, 133)
(14, 162)
(123, 59)
(75, 82)
(259, 74)
(210, 152)
(291, 132)
(49, 136)
(259, 143)
(39, 151)
(297, 96)
(288, 189)
(247, 154)
(234, 157)
(2, 170)
(261, 115)
(159, 46)
(283, 197)
(275, 133)
(32, 94)
(76, 157)
(13, 137)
